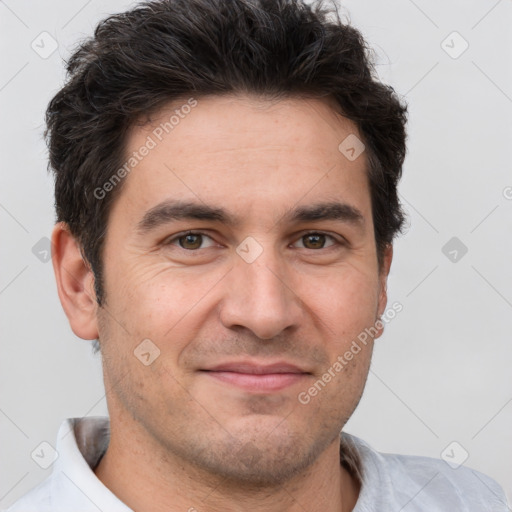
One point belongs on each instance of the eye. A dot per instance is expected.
(316, 240)
(189, 241)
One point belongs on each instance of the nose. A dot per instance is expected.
(260, 296)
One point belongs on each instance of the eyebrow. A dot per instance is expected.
(326, 211)
(173, 210)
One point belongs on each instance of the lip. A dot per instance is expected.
(252, 376)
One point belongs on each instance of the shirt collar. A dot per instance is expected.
(81, 443)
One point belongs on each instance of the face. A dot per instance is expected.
(241, 249)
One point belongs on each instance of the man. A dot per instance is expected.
(226, 193)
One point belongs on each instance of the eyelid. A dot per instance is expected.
(174, 238)
(338, 240)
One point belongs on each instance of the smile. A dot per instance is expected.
(258, 377)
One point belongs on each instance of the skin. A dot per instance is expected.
(181, 438)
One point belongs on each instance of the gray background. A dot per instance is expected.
(441, 372)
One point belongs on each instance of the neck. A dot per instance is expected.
(137, 470)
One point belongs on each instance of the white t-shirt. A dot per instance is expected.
(389, 483)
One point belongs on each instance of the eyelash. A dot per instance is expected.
(336, 241)
(175, 238)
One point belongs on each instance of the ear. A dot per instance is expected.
(383, 283)
(75, 283)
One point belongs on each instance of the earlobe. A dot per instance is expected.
(75, 283)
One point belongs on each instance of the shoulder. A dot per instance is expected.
(35, 500)
(72, 482)
(464, 488)
(423, 483)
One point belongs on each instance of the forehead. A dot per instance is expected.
(308, 126)
(246, 151)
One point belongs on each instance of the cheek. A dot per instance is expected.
(157, 301)
(345, 301)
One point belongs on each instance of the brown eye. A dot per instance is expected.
(317, 240)
(314, 241)
(190, 241)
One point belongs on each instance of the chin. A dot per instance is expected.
(269, 461)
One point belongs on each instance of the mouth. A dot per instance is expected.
(257, 377)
